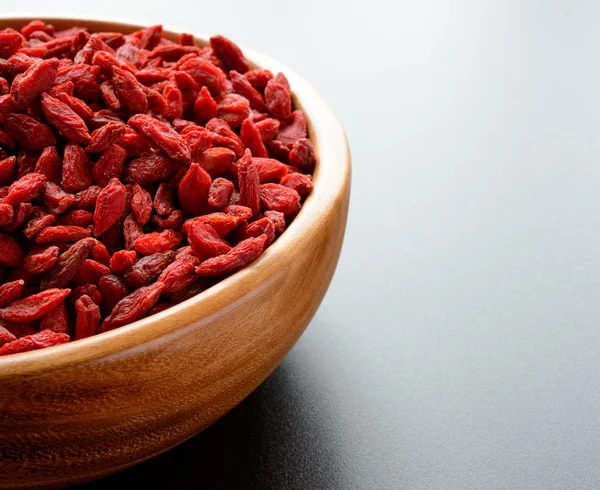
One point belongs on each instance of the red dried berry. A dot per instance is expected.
(205, 241)
(27, 131)
(50, 165)
(33, 307)
(113, 290)
(38, 78)
(220, 193)
(239, 256)
(278, 219)
(229, 53)
(243, 87)
(88, 317)
(25, 189)
(278, 99)
(11, 254)
(105, 136)
(303, 155)
(148, 268)
(133, 307)
(90, 272)
(152, 243)
(55, 199)
(252, 139)
(41, 340)
(205, 107)
(10, 291)
(249, 181)
(193, 191)
(279, 198)
(122, 260)
(222, 223)
(163, 136)
(301, 183)
(10, 42)
(77, 169)
(141, 205)
(40, 261)
(76, 217)
(65, 119)
(109, 206)
(179, 274)
(7, 169)
(56, 320)
(216, 161)
(259, 78)
(67, 265)
(129, 91)
(109, 165)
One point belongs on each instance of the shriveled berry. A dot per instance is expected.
(239, 256)
(109, 206)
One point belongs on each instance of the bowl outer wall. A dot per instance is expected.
(85, 409)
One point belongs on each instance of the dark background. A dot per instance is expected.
(458, 346)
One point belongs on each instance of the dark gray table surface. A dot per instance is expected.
(458, 346)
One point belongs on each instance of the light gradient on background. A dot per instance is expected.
(458, 346)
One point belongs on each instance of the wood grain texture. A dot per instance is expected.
(92, 407)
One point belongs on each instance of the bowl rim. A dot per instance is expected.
(331, 184)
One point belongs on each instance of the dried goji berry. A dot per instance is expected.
(76, 217)
(173, 220)
(229, 53)
(278, 99)
(88, 317)
(222, 223)
(105, 136)
(205, 107)
(50, 165)
(259, 78)
(249, 181)
(279, 198)
(56, 320)
(243, 87)
(25, 189)
(152, 243)
(113, 290)
(11, 254)
(77, 169)
(27, 131)
(129, 90)
(65, 119)
(301, 183)
(252, 139)
(164, 202)
(38, 78)
(10, 291)
(33, 307)
(122, 260)
(10, 42)
(90, 272)
(148, 268)
(66, 267)
(39, 261)
(303, 155)
(109, 165)
(87, 199)
(193, 191)
(7, 169)
(6, 336)
(204, 73)
(109, 206)
(239, 256)
(263, 226)
(141, 205)
(205, 241)
(7, 214)
(39, 220)
(40, 340)
(55, 199)
(216, 161)
(163, 136)
(19, 330)
(133, 307)
(220, 193)
(179, 274)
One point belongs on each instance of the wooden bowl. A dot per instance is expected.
(89, 408)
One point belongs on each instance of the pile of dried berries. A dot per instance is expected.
(134, 173)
